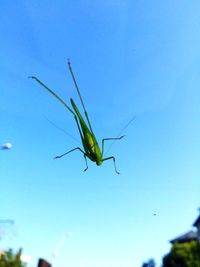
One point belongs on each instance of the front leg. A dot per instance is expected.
(105, 139)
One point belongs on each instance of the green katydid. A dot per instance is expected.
(91, 147)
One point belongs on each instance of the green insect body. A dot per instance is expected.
(89, 141)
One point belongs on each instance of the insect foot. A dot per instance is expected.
(85, 169)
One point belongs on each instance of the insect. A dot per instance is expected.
(91, 149)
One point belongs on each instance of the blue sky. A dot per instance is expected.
(130, 58)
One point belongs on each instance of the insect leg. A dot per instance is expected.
(85, 162)
(52, 92)
(105, 139)
(81, 135)
(113, 158)
(76, 148)
(77, 88)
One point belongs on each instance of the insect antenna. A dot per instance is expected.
(120, 133)
(61, 129)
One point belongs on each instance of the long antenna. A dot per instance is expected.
(119, 134)
(61, 129)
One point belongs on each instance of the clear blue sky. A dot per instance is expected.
(130, 58)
